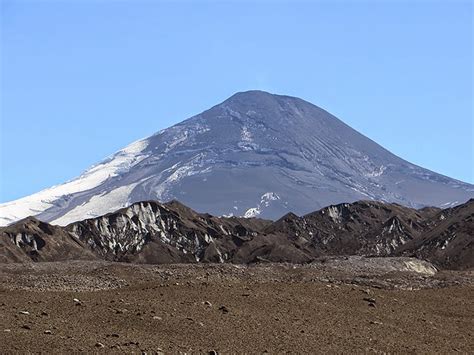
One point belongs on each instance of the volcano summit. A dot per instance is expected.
(255, 154)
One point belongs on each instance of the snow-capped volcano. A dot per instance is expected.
(255, 154)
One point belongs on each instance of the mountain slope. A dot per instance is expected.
(30, 239)
(255, 154)
(450, 241)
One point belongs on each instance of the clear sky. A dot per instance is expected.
(81, 79)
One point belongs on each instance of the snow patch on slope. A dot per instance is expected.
(449, 204)
(377, 172)
(265, 201)
(268, 197)
(246, 140)
(178, 172)
(34, 204)
(252, 212)
(334, 213)
(98, 205)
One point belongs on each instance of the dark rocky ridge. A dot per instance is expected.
(450, 239)
(31, 239)
(150, 232)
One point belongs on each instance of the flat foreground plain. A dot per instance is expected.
(335, 305)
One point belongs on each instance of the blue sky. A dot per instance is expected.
(82, 79)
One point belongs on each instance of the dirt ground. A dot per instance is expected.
(333, 306)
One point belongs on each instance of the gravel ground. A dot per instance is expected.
(334, 305)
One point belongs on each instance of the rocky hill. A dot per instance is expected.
(150, 232)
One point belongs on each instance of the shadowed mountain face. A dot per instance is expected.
(150, 232)
(30, 239)
(449, 241)
(255, 154)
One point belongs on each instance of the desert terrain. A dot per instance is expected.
(334, 304)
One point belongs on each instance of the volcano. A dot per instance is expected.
(255, 154)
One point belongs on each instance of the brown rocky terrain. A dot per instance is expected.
(357, 304)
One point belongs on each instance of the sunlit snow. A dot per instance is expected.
(34, 204)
